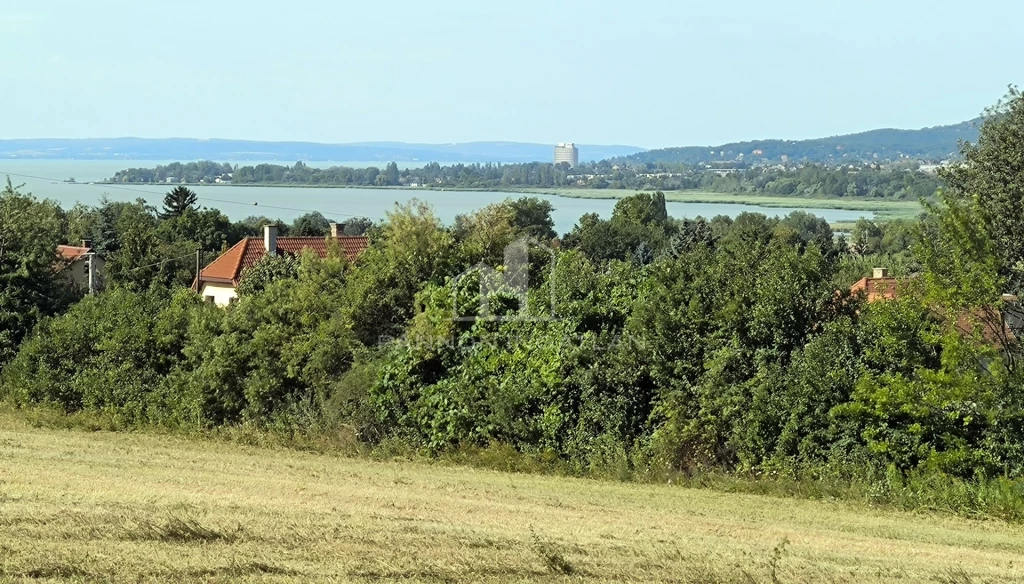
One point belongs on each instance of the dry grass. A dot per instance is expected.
(99, 507)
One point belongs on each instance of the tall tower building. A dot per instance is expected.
(567, 152)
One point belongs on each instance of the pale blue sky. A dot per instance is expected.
(643, 73)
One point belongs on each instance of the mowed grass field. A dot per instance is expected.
(105, 507)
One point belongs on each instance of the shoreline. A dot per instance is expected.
(881, 209)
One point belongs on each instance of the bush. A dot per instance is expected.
(109, 353)
(267, 270)
(271, 358)
(647, 349)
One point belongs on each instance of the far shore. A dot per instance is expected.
(882, 208)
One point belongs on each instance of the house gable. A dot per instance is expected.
(226, 271)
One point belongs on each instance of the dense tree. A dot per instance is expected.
(208, 230)
(267, 270)
(253, 226)
(532, 217)
(970, 243)
(807, 228)
(311, 224)
(110, 353)
(641, 209)
(411, 251)
(358, 226)
(392, 176)
(178, 201)
(30, 288)
(135, 259)
(484, 234)
(190, 172)
(143, 249)
(270, 360)
(638, 228)
(988, 182)
(895, 181)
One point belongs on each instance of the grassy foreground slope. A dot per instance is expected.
(80, 506)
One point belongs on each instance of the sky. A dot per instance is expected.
(644, 73)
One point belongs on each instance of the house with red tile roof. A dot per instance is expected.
(80, 265)
(999, 326)
(218, 281)
(877, 287)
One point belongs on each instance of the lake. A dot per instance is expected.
(287, 203)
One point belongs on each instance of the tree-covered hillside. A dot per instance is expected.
(938, 143)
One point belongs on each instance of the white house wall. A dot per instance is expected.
(222, 294)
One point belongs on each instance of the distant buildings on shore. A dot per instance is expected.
(567, 152)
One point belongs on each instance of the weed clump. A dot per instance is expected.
(182, 528)
(551, 556)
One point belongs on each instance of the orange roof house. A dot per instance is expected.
(80, 265)
(73, 253)
(218, 281)
(878, 287)
(997, 326)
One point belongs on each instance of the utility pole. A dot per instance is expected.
(92, 274)
(199, 263)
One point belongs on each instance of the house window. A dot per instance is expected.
(209, 299)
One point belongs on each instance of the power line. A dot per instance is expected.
(160, 263)
(111, 187)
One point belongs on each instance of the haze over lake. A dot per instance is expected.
(287, 203)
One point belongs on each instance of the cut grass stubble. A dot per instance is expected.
(79, 506)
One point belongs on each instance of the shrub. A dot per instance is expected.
(108, 353)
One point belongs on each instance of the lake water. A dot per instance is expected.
(41, 178)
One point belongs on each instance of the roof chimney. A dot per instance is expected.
(337, 230)
(270, 239)
(881, 273)
(87, 243)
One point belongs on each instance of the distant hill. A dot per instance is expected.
(935, 144)
(243, 150)
(938, 143)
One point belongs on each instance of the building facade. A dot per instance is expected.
(82, 267)
(567, 152)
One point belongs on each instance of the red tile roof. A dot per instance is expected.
(876, 288)
(230, 265)
(991, 323)
(71, 253)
